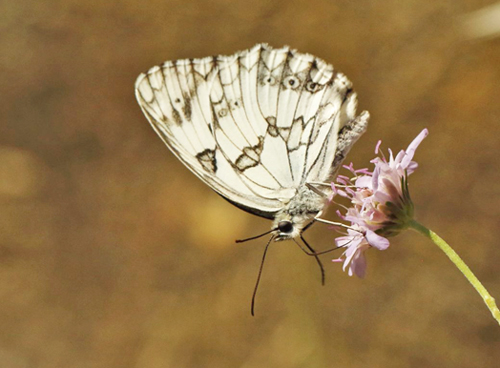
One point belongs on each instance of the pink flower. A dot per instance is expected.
(381, 204)
(356, 243)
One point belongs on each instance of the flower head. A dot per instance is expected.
(381, 204)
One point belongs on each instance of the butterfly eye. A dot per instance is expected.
(285, 227)
(292, 81)
(312, 87)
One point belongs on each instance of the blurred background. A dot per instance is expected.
(112, 254)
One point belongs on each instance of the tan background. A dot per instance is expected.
(112, 254)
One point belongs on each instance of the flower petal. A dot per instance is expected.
(364, 182)
(410, 151)
(358, 264)
(412, 166)
(376, 173)
(376, 240)
(399, 159)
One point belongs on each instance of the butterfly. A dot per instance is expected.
(266, 128)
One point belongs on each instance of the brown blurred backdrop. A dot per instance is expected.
(112, 254)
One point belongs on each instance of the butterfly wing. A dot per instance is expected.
(182, 100)
(254, 126)
(310, 111)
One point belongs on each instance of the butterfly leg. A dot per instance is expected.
(311, 187)
(313, 253)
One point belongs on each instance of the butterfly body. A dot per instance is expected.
(297, 213)
(261, 127)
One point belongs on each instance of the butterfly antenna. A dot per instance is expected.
(252, 308)
(255, 237)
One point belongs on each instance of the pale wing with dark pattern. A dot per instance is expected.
(254, 126)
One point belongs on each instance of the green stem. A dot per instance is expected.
(454, 257)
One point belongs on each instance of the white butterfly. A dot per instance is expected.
(264, 128)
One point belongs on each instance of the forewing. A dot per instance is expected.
(176, 99)
(244, 110)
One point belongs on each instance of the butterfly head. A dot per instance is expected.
(290, 221)
(289, 227)
(286, 230)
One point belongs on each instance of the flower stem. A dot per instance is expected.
(454, 257)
